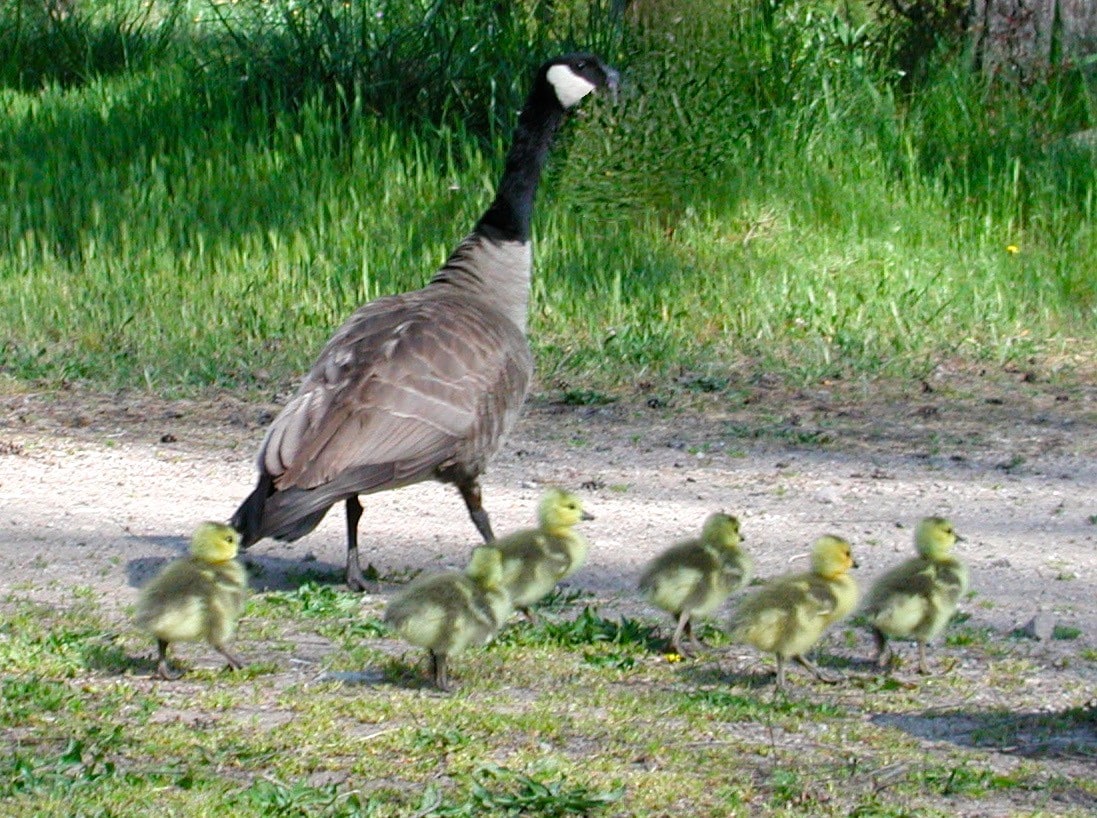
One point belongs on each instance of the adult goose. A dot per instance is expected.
(425, 384)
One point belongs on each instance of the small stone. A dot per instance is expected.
(1040, 627)
(1001, 562)
(309, 557)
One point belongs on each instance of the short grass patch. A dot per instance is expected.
(576, 714)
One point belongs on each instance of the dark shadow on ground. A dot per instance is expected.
(1067, 733)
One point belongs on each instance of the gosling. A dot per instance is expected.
(916, 599)
(693, 578)
(535, 559)
(789, 614)
(196, 598)
(448, 612)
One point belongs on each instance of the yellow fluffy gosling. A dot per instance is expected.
(448, 612)
(916, 599)
(693, 578)
(535, 559)
(196, 598)
(789, 614)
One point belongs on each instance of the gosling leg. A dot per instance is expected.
(820, 674)
(883, 655)
(923, 667)
(439, 671)
(234, 662)
(164, 670)
(683, 628)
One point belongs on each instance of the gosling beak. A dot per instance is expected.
(586, 515)
(853, 563)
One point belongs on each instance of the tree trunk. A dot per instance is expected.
(1024, 38)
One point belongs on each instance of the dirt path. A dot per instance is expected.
(99, 490)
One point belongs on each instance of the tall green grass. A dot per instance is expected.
(207, 207)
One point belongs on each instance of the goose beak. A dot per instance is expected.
(586, 515)
(613, 83)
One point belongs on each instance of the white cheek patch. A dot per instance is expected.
(569, 86)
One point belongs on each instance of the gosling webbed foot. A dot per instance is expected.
(164, 670)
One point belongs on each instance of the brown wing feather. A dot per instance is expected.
(408, 380)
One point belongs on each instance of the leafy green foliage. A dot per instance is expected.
(70, 43)
(500, 791)
(24, 696)
(453, 61)
(588, 628)
(311, 599)
(729, 706)
(300, 799)
(1065, 632)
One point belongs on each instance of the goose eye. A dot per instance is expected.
(581, 64)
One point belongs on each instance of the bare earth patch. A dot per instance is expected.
(98, 491)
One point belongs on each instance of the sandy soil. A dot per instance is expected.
(99, 490)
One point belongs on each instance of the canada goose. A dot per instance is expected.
(916, 599)
(535, 559)
(448, 612)
(693, 578)
(426, 384)
(789, 614)
(196, 597)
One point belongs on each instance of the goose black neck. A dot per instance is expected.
(511, 211)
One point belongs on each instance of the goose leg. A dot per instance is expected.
(355, 580)
(163, 669)
(470, 492)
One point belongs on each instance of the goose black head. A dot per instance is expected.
(573, 76)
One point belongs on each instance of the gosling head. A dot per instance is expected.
(215, 542)
(560, 509)
(831, 557)
(935, 537)
(573, 76)
(722, 530)
(485, 568)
